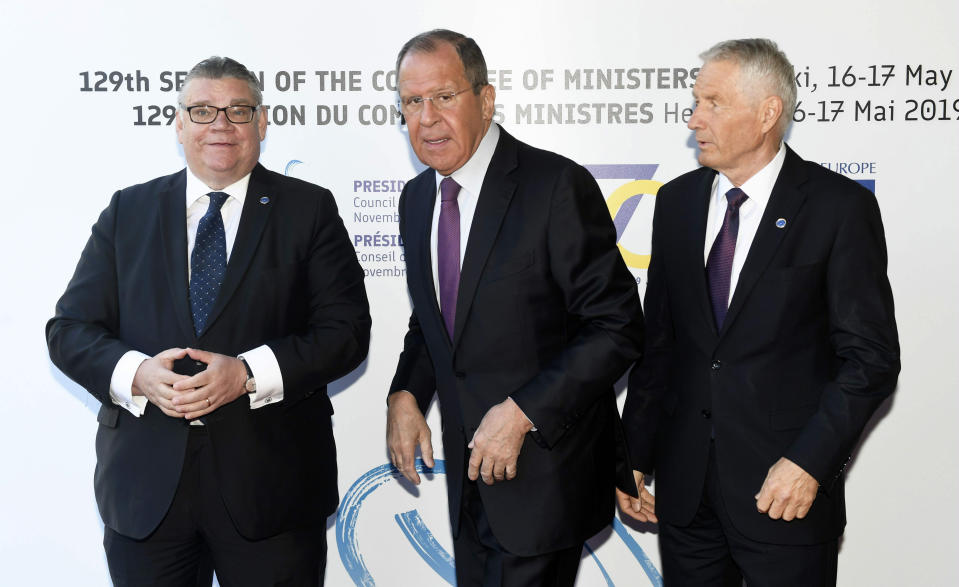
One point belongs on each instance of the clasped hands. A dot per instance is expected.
(190, 397)
(787, 493)
(495, 445)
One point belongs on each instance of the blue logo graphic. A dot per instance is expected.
(624, 200)
(422, 540)
(869, 184)
(293, 163)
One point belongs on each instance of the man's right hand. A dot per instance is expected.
(154, 379)
(406, 429)
(642, 508)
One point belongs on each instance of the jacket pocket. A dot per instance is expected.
(517, 264)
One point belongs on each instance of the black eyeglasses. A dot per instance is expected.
(238, 114)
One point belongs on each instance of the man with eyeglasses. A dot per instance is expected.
(208, 312)
(524, 315)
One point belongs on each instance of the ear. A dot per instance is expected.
(488, 100)
(770, 111)
(180, 113)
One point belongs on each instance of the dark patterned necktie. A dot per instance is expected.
(208, 261)
(448, 251)
(719, 264)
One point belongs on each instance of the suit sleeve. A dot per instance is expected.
(414, 370)
(336, 337)
(81, 337)
(647, 381)
(864, 337)
(602, 308)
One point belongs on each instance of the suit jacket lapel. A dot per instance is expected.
(491, 206)
(420, 223)
(784, 202)
(253, 221)
(696, 238)
(172, 205)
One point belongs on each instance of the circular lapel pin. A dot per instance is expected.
(781, 223)
(266, 200)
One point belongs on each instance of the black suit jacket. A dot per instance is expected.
(807, 352)
(292, 282)
(548, 314)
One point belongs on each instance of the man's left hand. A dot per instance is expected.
(787, 492)
(223, 380)
(497, 442)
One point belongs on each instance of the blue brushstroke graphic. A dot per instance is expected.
(349, 512)
(648, 567)
(602, 569)
(425, 544)
(293, 163)
(422, 539)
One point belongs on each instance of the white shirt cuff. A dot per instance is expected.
(269, 380)
(121, 383)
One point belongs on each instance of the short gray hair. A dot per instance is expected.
(761, 62)
(474, 64)
(218, 68)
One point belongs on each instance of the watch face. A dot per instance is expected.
(250, 385)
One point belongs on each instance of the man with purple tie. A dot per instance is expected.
(524, 315)
(771, 340)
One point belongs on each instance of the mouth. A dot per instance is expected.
(436, 142)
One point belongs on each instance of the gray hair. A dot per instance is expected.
(218, 68)
(761, 62)
(474, 65)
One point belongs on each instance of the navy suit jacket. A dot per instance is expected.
(548, 314)
(292, 283)
(807, 352)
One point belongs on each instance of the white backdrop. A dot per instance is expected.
(866, 69)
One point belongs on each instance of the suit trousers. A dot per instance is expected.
(481, 561)
(710, 551)
(197, 537)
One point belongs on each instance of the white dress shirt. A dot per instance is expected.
(470, 178)
(262, 361)
(758, 188)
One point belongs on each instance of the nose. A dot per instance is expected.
(429, 114)
(221, 121)
(695, 121)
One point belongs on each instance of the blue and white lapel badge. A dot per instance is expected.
(266, 200)
(781, 223)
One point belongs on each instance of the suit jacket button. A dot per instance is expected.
(707, 414)
(717, 365)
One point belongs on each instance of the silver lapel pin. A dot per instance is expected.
(265, 200)
(781, 223)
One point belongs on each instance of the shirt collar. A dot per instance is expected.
(196, 189)
(470, 176)
(758, 187)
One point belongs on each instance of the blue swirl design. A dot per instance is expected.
(648, 567)
(602, 569)
(425, 544)
(293, 163)
(423, 541)
(349, 513)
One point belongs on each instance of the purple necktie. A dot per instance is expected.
(448, 251)
(719, 264)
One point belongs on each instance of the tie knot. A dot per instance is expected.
(449, 189)
(217, 199)
(735, 198)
